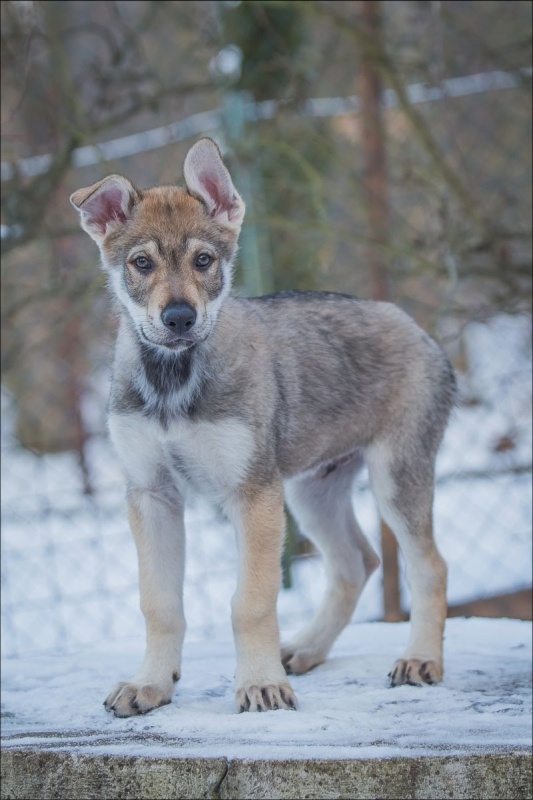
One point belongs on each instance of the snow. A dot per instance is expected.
(347, 709)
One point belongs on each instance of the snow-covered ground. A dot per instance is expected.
(69, 574)
(346, 708)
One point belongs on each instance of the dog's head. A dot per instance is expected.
(168, 250)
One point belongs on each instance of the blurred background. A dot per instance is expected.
(383, 149)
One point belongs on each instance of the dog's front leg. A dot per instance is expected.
(261, 683)
(156, 519)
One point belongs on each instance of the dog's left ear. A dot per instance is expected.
(208, 179)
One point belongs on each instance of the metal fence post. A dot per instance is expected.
(234, 117)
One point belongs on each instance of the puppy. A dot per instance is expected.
(248, 400)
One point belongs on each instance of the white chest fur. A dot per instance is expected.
(212, 457)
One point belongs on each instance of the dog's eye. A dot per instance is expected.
(142, 263)
(203, 260)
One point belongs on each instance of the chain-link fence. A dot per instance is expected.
(399, 168)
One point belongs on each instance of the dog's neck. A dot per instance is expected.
(165, 371)
(168, 383)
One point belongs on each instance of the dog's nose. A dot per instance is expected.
(178, 317)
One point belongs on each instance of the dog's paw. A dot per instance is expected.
(129, 699)
(298, 660)
(269, 697)
(415, 672)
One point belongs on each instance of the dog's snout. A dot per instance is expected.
(179, 317)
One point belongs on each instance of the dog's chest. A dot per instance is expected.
(209, 456)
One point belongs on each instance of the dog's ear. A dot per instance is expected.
(105, 206)
(208, 179)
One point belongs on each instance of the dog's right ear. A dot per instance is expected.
(207, 178)
(105, 206)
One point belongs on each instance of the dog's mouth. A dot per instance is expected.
(175, 343)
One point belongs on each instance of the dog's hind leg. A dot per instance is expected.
(322, 507)
(402, 481)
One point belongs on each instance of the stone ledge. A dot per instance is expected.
(46, 774)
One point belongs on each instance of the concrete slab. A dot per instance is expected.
(47, 775)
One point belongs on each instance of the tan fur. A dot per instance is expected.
(258, 517)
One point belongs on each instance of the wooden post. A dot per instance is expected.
(376, 198)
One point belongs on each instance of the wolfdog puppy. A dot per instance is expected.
(248, 401)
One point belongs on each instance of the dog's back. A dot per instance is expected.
(331, 372)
